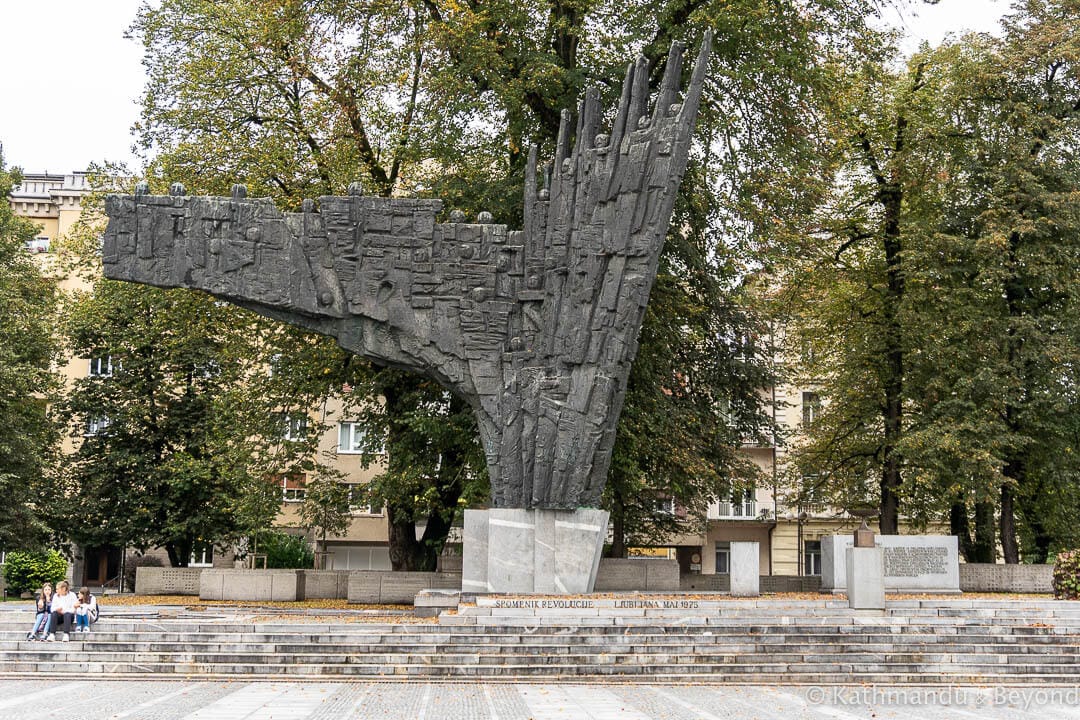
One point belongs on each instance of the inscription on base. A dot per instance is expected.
(916, 561)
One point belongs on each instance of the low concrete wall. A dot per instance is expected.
(987, 577)
(396, 588)
(323, 585)
(150, 580)
(618, 574)
(278, 585)
(766, 583)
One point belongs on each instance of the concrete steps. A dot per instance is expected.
(718, 641)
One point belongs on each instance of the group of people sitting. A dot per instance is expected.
(61, 610)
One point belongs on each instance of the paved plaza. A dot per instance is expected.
(154, 700)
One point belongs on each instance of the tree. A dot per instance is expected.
(193, 412)
(442, 99)
(28, 349)
(1011, 232)
(939, 293)
(325, 510)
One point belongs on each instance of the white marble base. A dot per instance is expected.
(865, 578)
(745, 569)
(510, 550)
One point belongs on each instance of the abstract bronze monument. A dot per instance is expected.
(535, 328)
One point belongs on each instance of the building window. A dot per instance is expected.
(38, 245)
(811, 408)
(359, 503)
(664, 506)
(811, 497)
(351, 437)
(812, 557)
(96, 425)
(202, 555)
(101, 366)
(292, 488)
(293, 427)
(723, 558)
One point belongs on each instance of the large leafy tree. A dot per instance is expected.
(438, 98)
(939, 296)
(28, 349)
(1005, 252)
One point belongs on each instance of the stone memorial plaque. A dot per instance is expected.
(912, 563)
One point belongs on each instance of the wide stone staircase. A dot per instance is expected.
(637, 638)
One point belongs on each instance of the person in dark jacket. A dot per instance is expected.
(43, 608)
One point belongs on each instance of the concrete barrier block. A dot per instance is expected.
(988, 577)
(151, 580)
(324, 584)
(249, 585)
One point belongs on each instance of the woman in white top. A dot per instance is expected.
(63, 610)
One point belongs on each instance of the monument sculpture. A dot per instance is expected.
(536, 328)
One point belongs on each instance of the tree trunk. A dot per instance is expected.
(1010, 549)
(893, 380)
(179, 552)
(405, 551)
(961, 528)
(985, 550)
(403, 546)
(618, 527)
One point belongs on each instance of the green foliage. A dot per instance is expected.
(443, 99)
(28, 350)
(969, 320)
(28, 571)
(1067, 575)
(284, 551)
(325, 510)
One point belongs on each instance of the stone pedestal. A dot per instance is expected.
(510, 550)
(866, 578)
(745, 569)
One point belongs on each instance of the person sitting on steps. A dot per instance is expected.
(63, 611)
(43, 617)
(86, 610)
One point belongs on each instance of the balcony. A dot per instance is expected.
(745, 510)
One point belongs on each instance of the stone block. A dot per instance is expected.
(865, 568)
(250, 585)
(913, 563)
(372, 587)
(745, 569)
(167, 580)
(324, 584)
(511, 546)
(989, 577)
(516, 550)
(474, 559)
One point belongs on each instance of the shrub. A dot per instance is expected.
(28, 571)
(1067, 575)
(284, 551)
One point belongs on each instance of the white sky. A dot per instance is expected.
(70, 81)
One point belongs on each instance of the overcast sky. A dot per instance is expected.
(70, 83)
